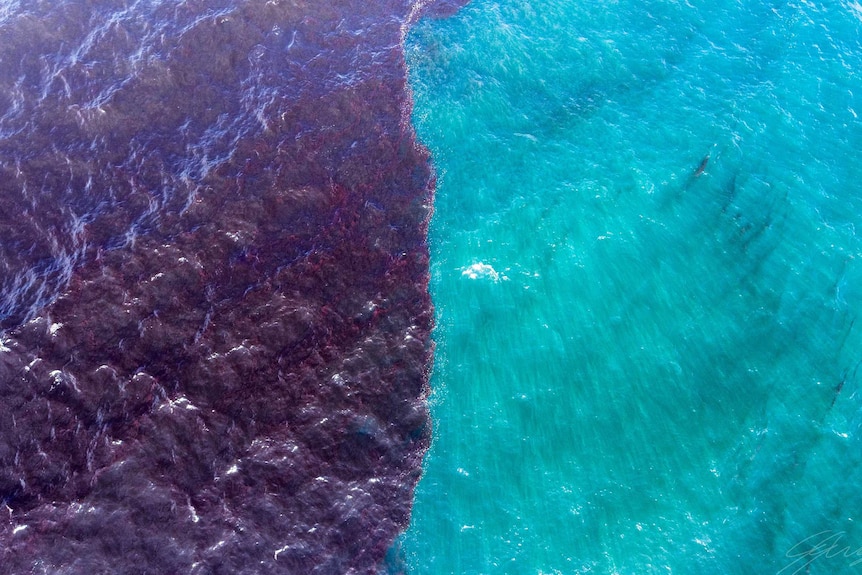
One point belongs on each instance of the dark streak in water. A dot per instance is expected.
(702, 166)
(214, 287)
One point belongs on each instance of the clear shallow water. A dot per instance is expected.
(647, 360)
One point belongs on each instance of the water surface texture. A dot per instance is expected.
(647, 282)
(215, 318)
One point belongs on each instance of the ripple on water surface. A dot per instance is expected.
(666, 380)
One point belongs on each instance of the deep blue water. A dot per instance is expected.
(214, 309)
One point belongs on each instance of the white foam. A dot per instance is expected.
(482, 271)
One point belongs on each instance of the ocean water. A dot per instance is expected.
(647, 280)
(215, 320)
(215, 324)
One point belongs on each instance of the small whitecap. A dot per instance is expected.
(179, 402)
(59, 378)
(481, 270)
(192, 511)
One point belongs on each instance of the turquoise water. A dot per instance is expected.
(647, 279)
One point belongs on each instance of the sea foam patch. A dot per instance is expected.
(481, 270)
